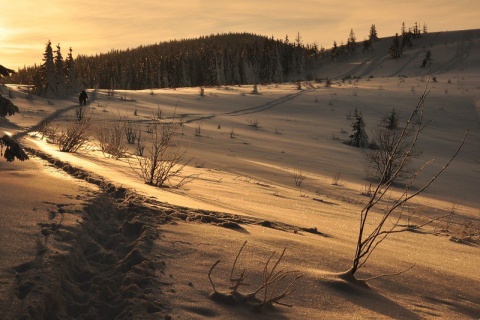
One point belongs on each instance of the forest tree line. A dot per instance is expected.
(235, 58)
(223, 59)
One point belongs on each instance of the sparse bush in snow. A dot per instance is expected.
(198, 130)
(163, 158)
(276, 285)
(132, 130)
(140, 145)
(110, 136)
(374, 231)
(298, 176)
(75, 135)
(253, 123)
(48, 130)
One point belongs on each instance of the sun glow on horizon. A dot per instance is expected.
(93, 27)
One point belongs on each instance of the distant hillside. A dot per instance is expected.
(452, 51)
(243, 58)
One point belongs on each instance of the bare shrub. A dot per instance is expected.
(159, 113)
(367, 188)
(140, 145)
(48, 130)
(392, 154)
(198, 130)
(336, 181)
(276, 284)
(373, 230)
(164, 158)
(132, 130)
(75, 135)
(298, 175)
(253, 123)
(110, 136)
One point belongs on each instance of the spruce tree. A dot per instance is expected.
(373, 34)
(59, 72)
(9, 148)
(425, 30)
(47, 74)
(390, 122)
(359, 137)
(71, 82)
(351, 42)
(334, 50)
(427, 60)
(395, 50)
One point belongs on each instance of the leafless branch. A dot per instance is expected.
(390, 274)
(400, 153)
(210, 274)
(271, 281)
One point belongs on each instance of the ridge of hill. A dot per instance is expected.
(451, 52)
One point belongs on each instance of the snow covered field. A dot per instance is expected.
(119, 247)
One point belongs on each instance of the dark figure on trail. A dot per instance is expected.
(82, 98)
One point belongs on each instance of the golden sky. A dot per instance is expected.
(91, 27)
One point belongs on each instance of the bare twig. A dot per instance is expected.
(210, 274)
(270, 278)
(400, 153)
(390, 274)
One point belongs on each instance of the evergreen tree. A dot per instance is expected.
(407, 39)
(395, 50)
(9, 148)
(425, 28)
(390, 122)
(416, 31)
(351, 42)
(359, 137)
(227, 59)
(373, 34)
(47, 74)
(37, 81)
(427, 60)
(71, 82)
(7, 108)
(60, 78)
(298, 40)
(367, 45)
(334, 51)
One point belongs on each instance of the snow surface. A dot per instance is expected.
(250, 177)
